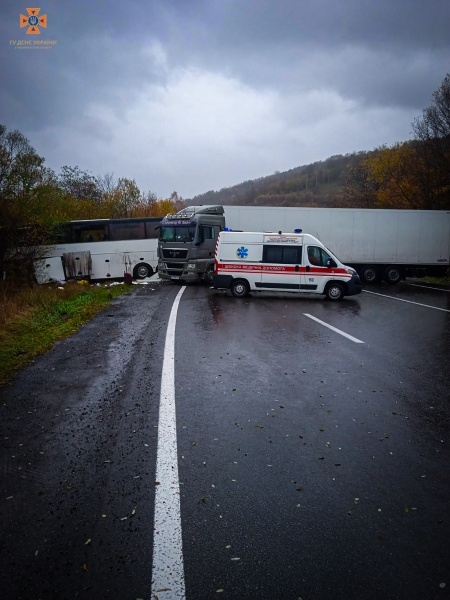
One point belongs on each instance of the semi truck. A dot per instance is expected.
(377, 243)
(187, 241)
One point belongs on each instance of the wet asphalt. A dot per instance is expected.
(311, 466)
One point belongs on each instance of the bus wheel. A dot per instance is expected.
(142, 270)
(239, 288)
(334, 291)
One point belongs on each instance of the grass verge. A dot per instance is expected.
(33, 318)
(437, 280)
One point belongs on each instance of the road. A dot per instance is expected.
(312, 462)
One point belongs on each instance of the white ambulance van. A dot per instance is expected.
(280, 262)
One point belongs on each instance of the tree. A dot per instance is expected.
(80, 184)
(120, 201)
(128, 197)
(23, 178)
(412, 174)
(177, 202)
(147, 205)
(150, 206)
(164, 207)
(360, 189)
(106, 183)
(432, 131)
(396, 173)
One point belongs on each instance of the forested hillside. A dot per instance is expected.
(319, 184)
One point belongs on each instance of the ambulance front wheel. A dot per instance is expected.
(239, 288)
(334, 291)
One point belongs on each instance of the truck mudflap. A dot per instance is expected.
(222, 282)
(354, 286)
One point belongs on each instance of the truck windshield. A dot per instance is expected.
(177, 233)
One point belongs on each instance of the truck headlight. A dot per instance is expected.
(191, 265)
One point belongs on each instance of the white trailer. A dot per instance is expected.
(377, 243)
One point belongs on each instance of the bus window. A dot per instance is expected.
(122, 230)
(89, 232)
(61, 234)
(152, 230)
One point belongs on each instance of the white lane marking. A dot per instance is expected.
(168, 566)
(409, 301)
(429, 287)
(350, 337)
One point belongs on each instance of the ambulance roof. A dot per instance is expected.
(268, 237)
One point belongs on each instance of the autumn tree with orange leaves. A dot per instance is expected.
(413, 175)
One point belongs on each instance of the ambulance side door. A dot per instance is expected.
(281, 267)
(317, 270)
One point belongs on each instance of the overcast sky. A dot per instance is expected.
(194, 95)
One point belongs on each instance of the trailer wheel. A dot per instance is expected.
(369, 274)
(334, 291)
(142, 270)
(239, 288)
(392, 275)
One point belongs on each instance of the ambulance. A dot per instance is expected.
(280, 262)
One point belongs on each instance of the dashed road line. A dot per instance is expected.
(168, 564)
(347, 335)
(409, 301)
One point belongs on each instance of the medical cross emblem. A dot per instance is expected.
(34, 21)
(242, 252)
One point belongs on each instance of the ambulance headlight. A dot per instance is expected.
(350, 271)
(191, 265)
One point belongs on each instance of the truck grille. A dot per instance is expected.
(176, 253)
(174, 268)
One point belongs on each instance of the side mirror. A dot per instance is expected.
(331, 263)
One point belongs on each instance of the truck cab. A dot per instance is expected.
(187, 241)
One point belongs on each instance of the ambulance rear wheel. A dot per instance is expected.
(334, 292)
(240, 288)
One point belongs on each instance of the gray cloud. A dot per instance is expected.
(199, 94)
